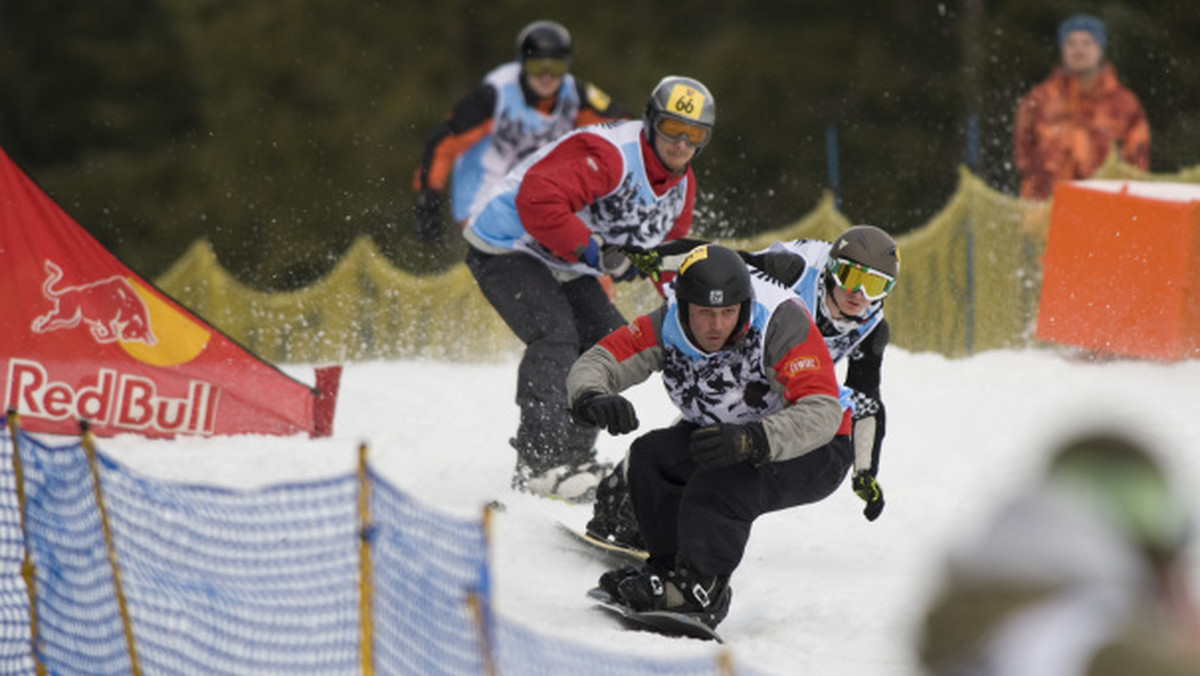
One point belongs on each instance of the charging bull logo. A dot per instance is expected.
(110, 308)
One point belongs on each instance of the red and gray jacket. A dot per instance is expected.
(603, 180)
(778, 371)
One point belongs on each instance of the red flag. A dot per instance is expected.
(84, 337)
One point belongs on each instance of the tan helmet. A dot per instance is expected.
(868, 245)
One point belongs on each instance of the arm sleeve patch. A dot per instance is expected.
(631, 339)
(805, 371)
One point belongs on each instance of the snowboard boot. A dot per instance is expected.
(610, 580)
(704, 598)
(612, 515)
(574, 483)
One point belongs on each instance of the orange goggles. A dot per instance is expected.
(673, 130)
(538, 67)
(853, 276)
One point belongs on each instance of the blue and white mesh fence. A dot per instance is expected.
(268, 581)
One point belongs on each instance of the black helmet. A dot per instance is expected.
(544, 40)
(684, 99)
(868, 245)
(713, 276)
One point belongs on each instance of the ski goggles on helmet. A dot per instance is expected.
(853, 276)
(673, 129)
(538, 67)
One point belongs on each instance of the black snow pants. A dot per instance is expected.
(556, 321)
(702, 516)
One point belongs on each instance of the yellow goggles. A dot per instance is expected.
(853, 276)
(538, 67)
(673, 130)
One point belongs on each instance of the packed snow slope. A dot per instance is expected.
(821, 590)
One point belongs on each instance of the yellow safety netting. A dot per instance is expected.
(970, 280)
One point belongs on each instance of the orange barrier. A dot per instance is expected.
(1122, 268)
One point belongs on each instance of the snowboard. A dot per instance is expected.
(660, 621)
(618, 553)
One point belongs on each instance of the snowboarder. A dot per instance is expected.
(762, 427)
(843, 284)
(519, 107)
(547, 233)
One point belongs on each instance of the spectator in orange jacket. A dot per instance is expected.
(1067, 124)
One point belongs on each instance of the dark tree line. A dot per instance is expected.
(282, 130)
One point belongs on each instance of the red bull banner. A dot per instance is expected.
(82, 337)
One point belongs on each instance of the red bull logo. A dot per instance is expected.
(122, 401)
(110, 308)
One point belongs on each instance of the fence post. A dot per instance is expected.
(725, 663)
(480, 601)
(127, 625)
(366, 589)
(28, 572)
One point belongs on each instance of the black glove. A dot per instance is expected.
(647, 262)
(723, 445)
(609, 411)
(866, 487)
(427, 216)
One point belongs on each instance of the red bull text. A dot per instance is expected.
(122, 401)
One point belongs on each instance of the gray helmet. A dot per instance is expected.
(682, 98)
(544, 40)
(867, 245)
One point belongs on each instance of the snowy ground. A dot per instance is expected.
(821, 590)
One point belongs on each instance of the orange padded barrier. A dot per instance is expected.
(1121, 271)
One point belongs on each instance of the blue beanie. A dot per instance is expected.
(1084, 22)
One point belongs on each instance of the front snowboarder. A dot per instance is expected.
(843, 284)
(762, 428)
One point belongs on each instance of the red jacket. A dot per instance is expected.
(1064, 132)
(579, 171)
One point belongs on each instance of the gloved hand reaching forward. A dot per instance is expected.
(608, 411)
(608, 259)
(647, 262)
(866, 487)
(724, 445)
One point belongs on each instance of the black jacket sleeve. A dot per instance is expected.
(472, 111)
(782, 266)
(863, 375)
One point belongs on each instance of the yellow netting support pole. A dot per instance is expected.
(106, 529)
(480, 605)
(725, 663)
(366, 590)
(28, 572)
